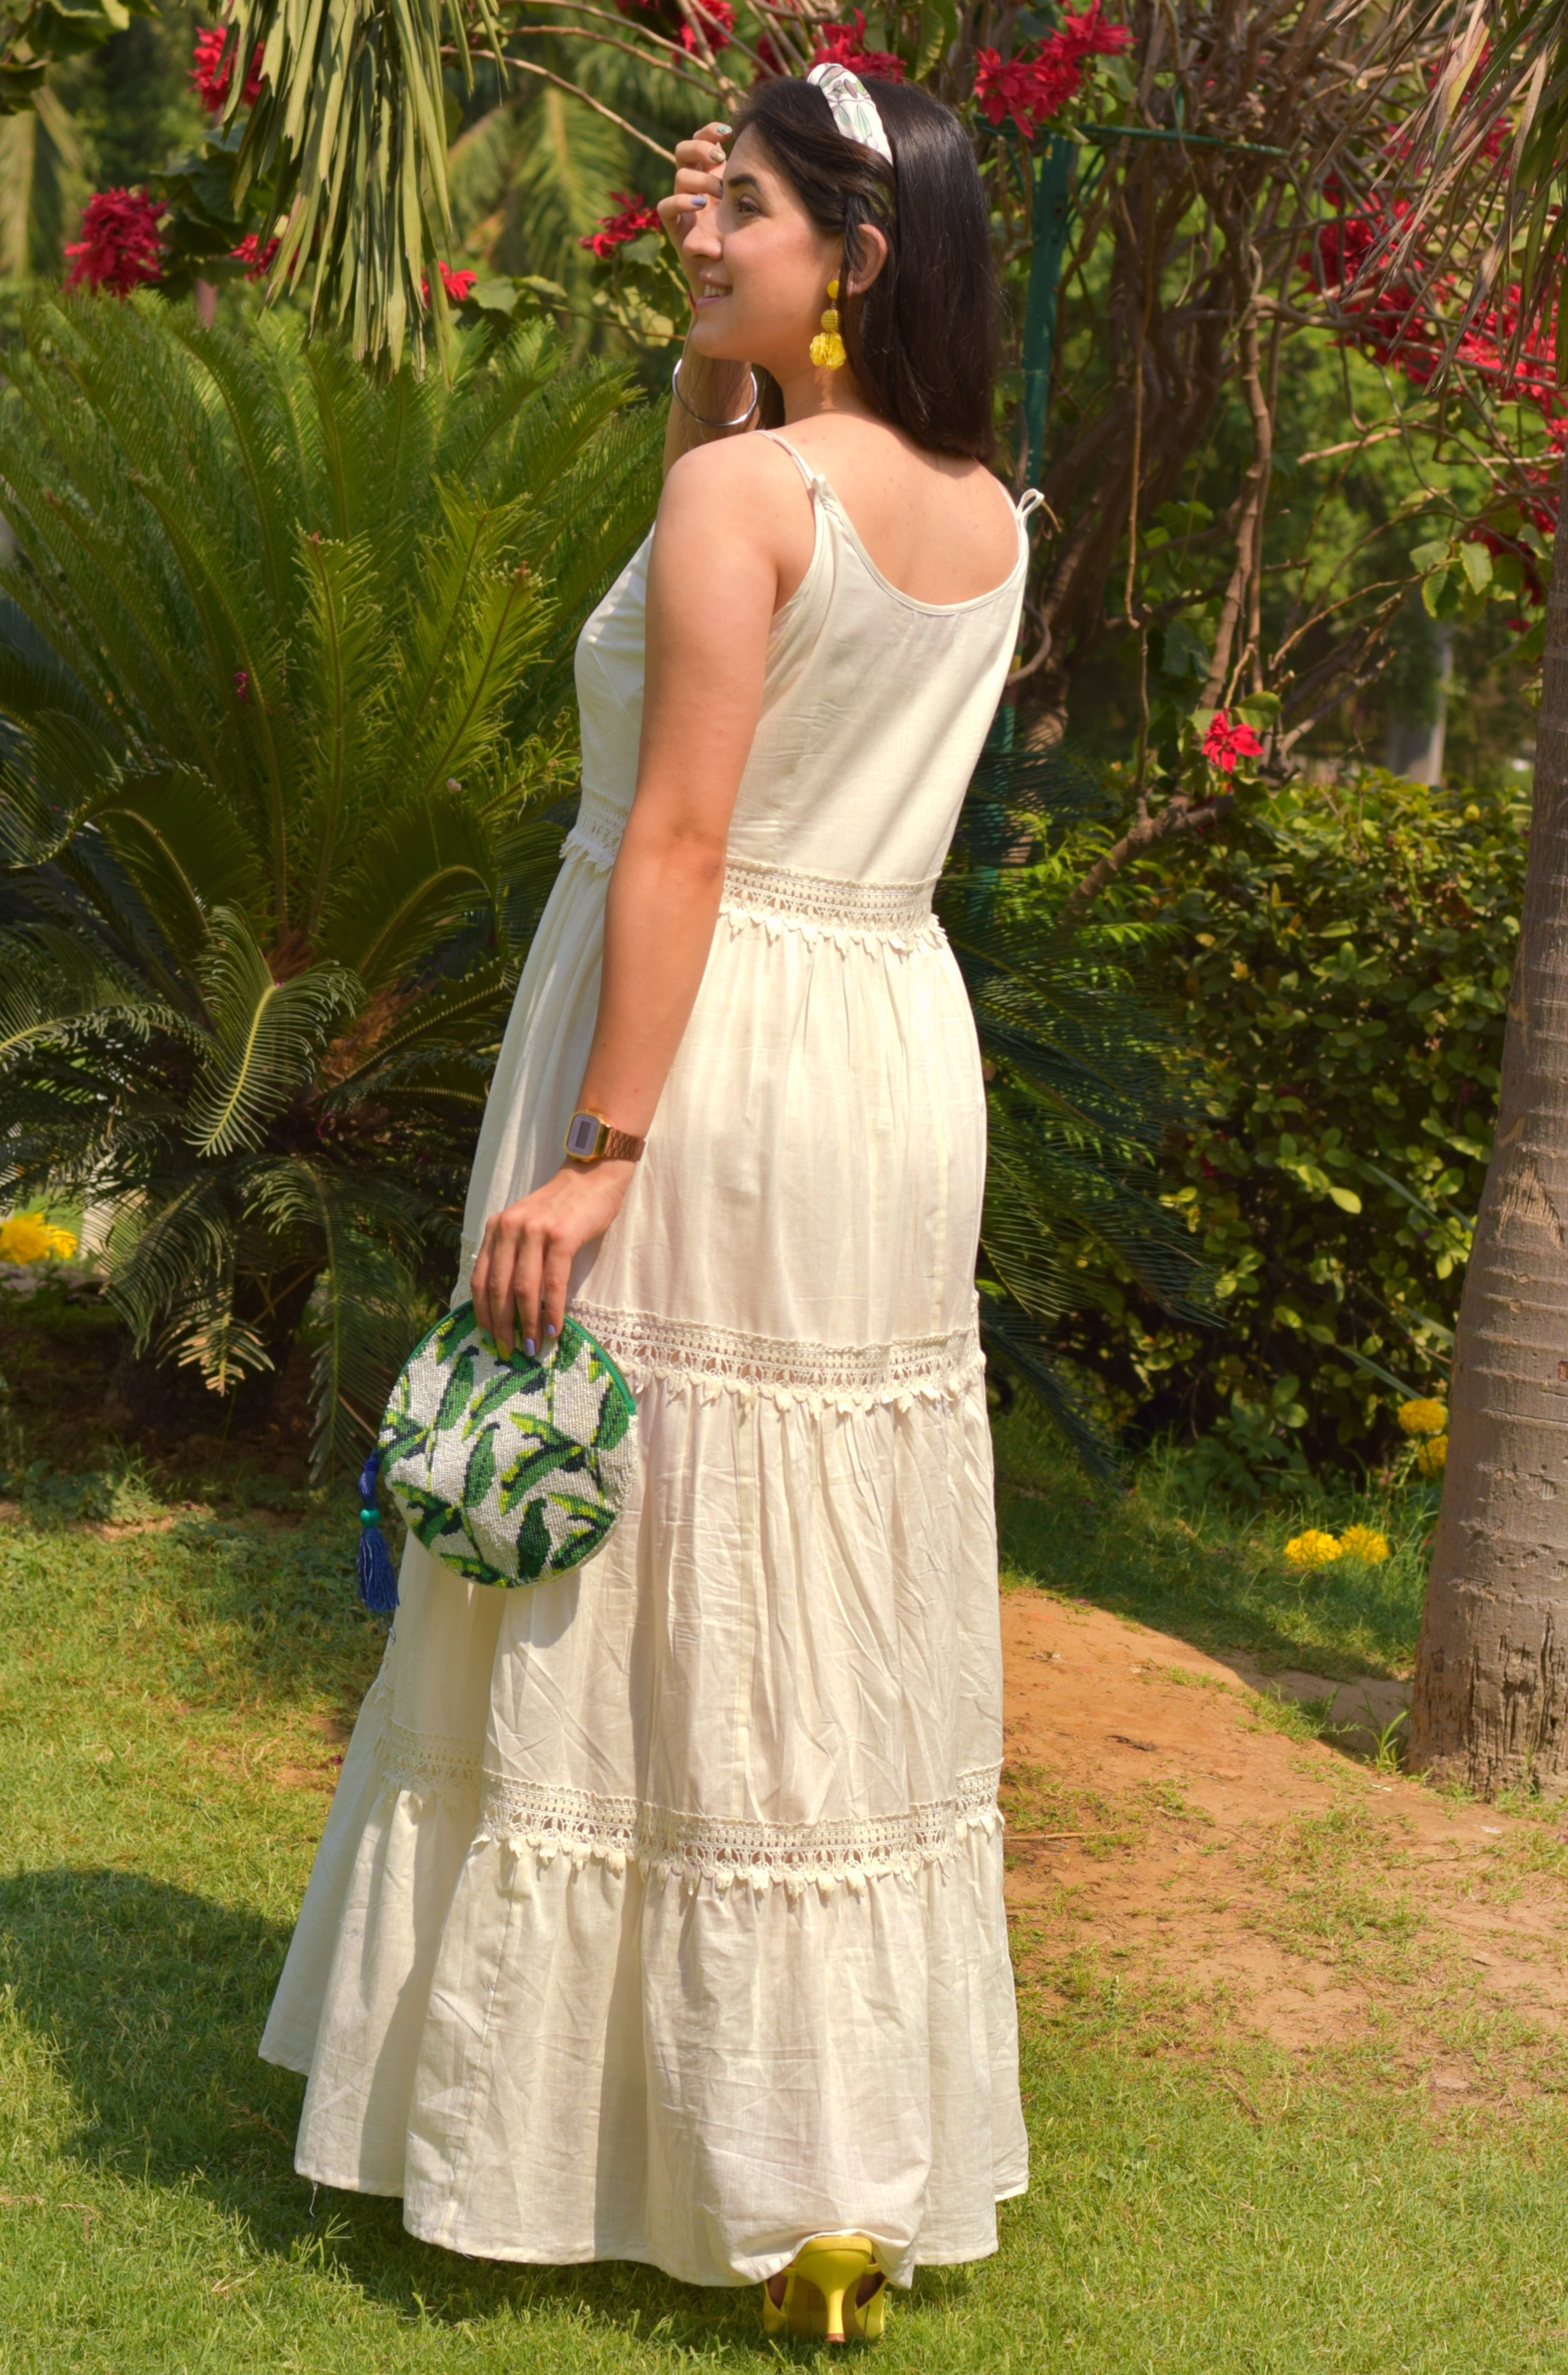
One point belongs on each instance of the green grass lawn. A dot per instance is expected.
(1208, 1572)
(168, 1704)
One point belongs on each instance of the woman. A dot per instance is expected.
(659, 1911)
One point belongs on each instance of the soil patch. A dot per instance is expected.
(1167, 1837)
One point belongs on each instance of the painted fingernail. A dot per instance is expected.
(529, 1346)
(698, 202)
(550, 1331)
(724, 127)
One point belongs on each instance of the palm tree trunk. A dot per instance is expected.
(1492, 1673)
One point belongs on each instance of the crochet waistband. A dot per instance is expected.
(778, 895)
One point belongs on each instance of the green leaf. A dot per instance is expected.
(938, 31)
(267, 1037)
(480, 1475)
(532, 1542)
(1476, 563)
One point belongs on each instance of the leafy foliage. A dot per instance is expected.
(1340, 960)
(36, 34)
(286, 659)
(1082, 1086)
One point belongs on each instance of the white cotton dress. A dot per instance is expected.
(658, 1914)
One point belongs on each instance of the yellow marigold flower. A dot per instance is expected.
(1364, 1542)
(1314, 1548)
(28, 1237)
(1433, 1457)
(1422, 1418)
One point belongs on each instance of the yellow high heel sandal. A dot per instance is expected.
(822, 2299)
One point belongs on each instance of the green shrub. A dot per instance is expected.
(1339, 959)
(284, 675)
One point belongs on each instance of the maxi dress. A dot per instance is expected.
(658, 1913)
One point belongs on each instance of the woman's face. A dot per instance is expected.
(759, 267)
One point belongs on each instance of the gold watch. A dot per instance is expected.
(591, 1139)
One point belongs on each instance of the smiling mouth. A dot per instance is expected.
(707, 294)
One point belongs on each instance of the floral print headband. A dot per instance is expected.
(854, 110)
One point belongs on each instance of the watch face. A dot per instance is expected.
(583, 1138)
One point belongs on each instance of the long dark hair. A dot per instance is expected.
(922, 339)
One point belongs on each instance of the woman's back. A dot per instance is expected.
(877, 699)
(876, 692)
(936, 526)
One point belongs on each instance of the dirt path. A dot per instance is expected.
(1166, 1836)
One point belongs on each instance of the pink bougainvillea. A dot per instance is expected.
(845, 45)
(636, 216)
(1229, 740)
(120, 247)
(1030, 90)
(210, 72)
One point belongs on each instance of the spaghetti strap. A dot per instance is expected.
(1027, 503)
(796, 456)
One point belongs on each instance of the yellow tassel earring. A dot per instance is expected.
(828, 348)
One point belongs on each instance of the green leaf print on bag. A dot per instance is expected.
(477, 1449)
(548, 1451)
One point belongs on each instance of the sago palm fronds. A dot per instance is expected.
(283, 668)
(1083, 1085)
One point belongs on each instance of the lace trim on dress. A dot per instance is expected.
(710, 1361)
(424, 1760)
(829, 905)
(776, 899)
(596, 830)
(692, 1848)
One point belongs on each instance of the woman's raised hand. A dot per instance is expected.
(699, 180)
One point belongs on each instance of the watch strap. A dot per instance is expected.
(591, 1139)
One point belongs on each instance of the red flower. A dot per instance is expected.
(1226, 742)
(457, 285)
(1401, 326)
(209, 72)
(636, 216)
(1030, 89)
(120, 246)
(718, 24)
(717, 19)
(845, 45)
(241, 682)
(256, 258)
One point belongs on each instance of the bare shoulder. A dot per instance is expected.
(737, 509)
(735, 473)
(939, 526)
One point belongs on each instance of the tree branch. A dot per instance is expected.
(1180, 815)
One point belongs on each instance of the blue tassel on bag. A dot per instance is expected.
(377, 1578)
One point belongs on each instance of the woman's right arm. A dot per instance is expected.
(718, 391)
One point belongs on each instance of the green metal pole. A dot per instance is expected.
(1052, 213)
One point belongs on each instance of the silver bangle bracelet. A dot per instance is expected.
(740, 419)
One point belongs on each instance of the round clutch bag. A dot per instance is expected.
(508, 1469)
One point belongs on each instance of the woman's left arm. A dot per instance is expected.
(712, 587)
